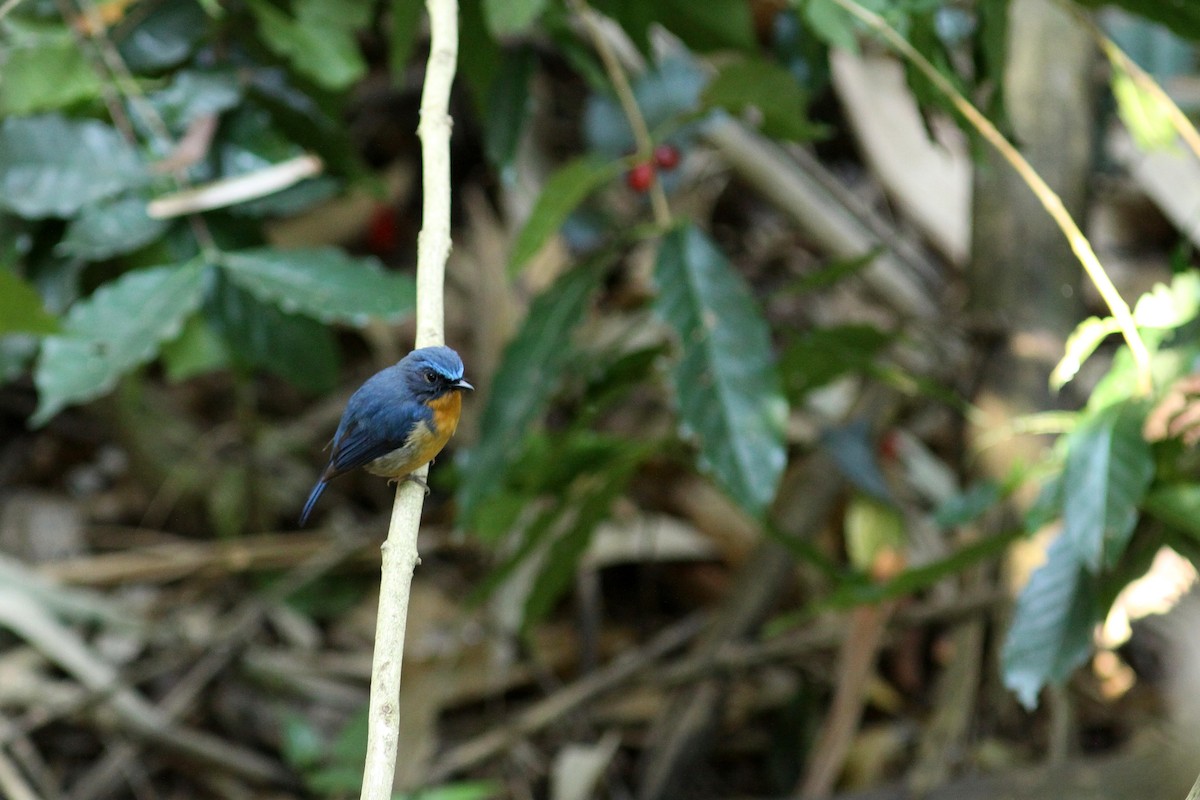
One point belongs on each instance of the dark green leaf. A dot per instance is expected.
(109, 228)
(509, 104)
(195, 93)
(853, 450)
(525, 380)
(1181, 16)
(478, 54)
(53, 167)
(337, 780)
(770, 89)
(45, 70)
(464, 790)
(21, 309)
(563, 192)
(970, 505)
(406, 18)
(711, 25)
(666, 95)
(195, 351)
(259, 335)
(1177, 505)
(820, 355)
(1108, 468)
(324, 283)
(831, 23)
(165, 37)
(725, 384)
(1051, 631)
(116, 329)
(508, 17)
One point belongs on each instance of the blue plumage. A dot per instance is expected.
(398, 420)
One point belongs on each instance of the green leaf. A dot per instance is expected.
(1181, 16)
(260, 335)
(196, 93)
(562, 194)
(53, 167)
(21, 309)
(324, 283)
(302, 745)
(831, 23)
(509, 104)
(319, 41)
(45, 71)
(1108, 469)
(1051, 631)
(1147, 118)
(109, 228)
(726, 387)
(509, 17)
(164, 37)
(752, 83)
(119, 327)
(820, 355)
(463, 790)
(406, 24)
(525, 380)
(1082, 342)
(195, 351)
(711, 25)
(1177, 505)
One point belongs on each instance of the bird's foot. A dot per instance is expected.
(419, 482)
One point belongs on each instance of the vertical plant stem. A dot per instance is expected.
(637, 123)
(400, 550)
(1048, 198)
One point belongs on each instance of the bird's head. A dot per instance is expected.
(431, 372)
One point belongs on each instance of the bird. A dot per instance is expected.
(398, 420)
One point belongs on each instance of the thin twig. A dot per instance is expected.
(400, 550)
(1048, 198)
(563, 702)
(637, 123)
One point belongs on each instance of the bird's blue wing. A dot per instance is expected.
(372, 431)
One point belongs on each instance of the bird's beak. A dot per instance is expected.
(461, 385)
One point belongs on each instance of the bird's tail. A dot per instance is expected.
(312, 501)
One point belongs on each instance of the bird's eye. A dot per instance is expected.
(430, 377)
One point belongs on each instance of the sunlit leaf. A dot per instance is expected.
(117, 328)
(1082, 342)
(726, 386)
(1051, 630)
(1169, 306)
(1108, 469)
(53, 167)
(324, 283)
(562, 194)
(1147, 118)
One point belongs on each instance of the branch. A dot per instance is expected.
(400, 550)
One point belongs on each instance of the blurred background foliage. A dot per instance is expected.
(208, 217)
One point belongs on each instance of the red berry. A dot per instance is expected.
(383, 231)
(640, 177)
(666, 156)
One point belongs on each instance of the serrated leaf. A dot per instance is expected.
(508, 17)
(44, 72)
(726, 386)
(562, 194)
(1109, 466)
(120, 326)
(525, 380)
(769, 88)
(21, 308)
(1080, 345)
(53, 167)
(1051, 631)
(109, 228)
(323, 283)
